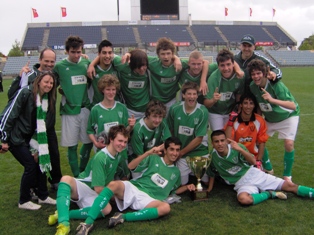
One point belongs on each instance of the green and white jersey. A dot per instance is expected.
(96, 95)
(158, 179)
(231, 167)
(101, 118)
(228, 88)
(143, 138)
(73, 81)
(186, 77)
(101, 169)
(134, 87)
(164, 80)
(273, 112)
(188, 126)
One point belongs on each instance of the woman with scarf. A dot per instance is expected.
(24, 118)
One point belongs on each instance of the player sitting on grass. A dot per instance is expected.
(146, 193)
(83, 190)
(235, 165)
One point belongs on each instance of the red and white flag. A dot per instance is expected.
(274, 12)
(226, 11)
(251, 11)
(63, 11)
(35, 14)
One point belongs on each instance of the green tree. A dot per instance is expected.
(16, 49)
(307, 43)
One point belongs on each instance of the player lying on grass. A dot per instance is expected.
(144, 194)
(235, 165)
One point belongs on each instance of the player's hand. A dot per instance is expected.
(239, 74)
(99, 145)
(259, 165)
(234, 144)
(270, 74)
(191, 187)
(216, 96)
(266, 95)
(157, 149)
(126, 58)
(91, 73)
(25, 69)
(177, 64)
(203, 88)
(4, 148)
(131, 121)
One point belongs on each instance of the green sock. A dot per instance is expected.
(82, 213)
(304, 191)
(84, 155)
(260, 197)
(99, 204)
(145, 214)
(72, 157)
(288, 163)
(265, 161)
(63, 203)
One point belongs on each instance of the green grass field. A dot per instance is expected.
(221, 214)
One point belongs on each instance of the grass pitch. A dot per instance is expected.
(221, 214)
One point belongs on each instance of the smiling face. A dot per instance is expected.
(105, 57)
(226, 68)
(195, 66)
(258, 78)
(247, 107)
(172, 153)
(48, 60)
(153, 120)
(190, 98)
(110, 92)
(119, 142)
(166, 57)
(46, 84)
(247, 50)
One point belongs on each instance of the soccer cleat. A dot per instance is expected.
(84, 229)
(48, 200)
(62, 230)
(29, 206)
(280, 195)
(117, 218)
(53, 219)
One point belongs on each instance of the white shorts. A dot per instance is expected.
(185, 170)
(74, 128)
(86, 196)
(170, 103)
(133, 198)
(137, 115)
(217, 121)
(287, 129)
(256, 181)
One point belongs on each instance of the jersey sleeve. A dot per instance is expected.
(165, 131)
(211, 68)
(262, 136)
(137, 143)
(170, 120)
(201, 128)
(143, 164)
(91, 122)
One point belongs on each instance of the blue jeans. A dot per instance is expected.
(32, 176)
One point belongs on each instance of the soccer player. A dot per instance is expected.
(83, 190)
(225, 90)
(279, 107)
(188, 121)
(75, 105)
(234, 164)
(249, 129)
(104, 66)
(47, 59)
(144, 194)
(150, 131)
(247, 54)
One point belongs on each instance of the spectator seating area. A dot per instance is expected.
(293, 58)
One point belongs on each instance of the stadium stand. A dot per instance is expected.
(293, 58)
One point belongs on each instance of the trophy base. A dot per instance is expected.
(199, 195)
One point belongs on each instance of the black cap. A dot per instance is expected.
(248, 38)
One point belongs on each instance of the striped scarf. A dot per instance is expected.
(43, 152)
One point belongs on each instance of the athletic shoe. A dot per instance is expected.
(280, 195)
(29, 206)
(62, 230)
(48, 200)
(117, 218)
(53, 219)
(271, 172)
(84, 229)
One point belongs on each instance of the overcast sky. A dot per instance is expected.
(295, 16)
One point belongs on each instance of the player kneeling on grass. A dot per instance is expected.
(145, 193)
(235, 165)
(83, 190)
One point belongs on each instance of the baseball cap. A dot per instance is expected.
(248, 38)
